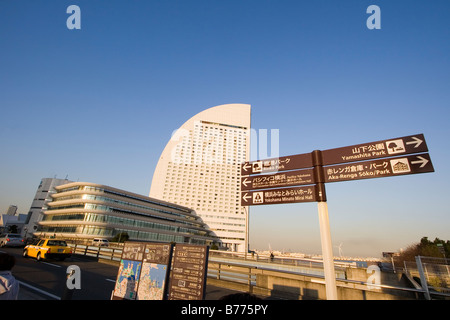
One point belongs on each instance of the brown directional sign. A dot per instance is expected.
(189, 270)
(283, 179)
(299, 161)
(278, 196)
(374, 150)
(388, 167)
(384, 158)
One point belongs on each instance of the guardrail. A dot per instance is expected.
(233, 272)
(107, 253)
(283, 260)
(294, 285)
(254, 278)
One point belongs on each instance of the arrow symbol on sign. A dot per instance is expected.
(422, 160)
(245, 182)
(246, 166)
(245, 197)
(416, 141)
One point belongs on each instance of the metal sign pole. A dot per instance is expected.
(327, 251)
(324, 222)
(385, 158)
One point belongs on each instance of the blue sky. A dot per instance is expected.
(99, 104)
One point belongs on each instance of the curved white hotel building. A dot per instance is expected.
(200, 169)
(83, 210)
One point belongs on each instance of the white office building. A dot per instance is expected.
(43, 195)
(85, 210)
(200, 169)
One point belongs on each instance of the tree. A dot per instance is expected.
(392, 146)
(13, 228)
(425, 248)
(121, 237)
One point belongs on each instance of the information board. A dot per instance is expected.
(189, 271)
(153, 280)
(128, 276)
(143, 271)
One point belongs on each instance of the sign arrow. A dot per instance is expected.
(375, 150)
(245, 182)
(415, 141)
(245, 197)
(386, 167)
(422, 160)
(246, 166)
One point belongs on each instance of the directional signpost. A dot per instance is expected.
(375, 150)
(384, 158)
(294, 162)
(281, 195)
(284, 179)
(387, 167)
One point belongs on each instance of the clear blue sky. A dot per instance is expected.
(100, 103)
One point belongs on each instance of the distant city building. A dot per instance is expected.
(10, 223)
(200, 169)
(12, 210)
(43, 195)
(83, 210)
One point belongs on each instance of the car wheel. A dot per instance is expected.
(38, 256)
(25, 253)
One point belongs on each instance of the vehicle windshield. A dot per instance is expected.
(56, 243)
(14, 236)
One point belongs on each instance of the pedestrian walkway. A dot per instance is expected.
(29, 293)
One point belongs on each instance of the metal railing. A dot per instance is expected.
(107, 253)
(240, 272)
(283, 260)
(433, 274)
(233, 272)
(247, 275)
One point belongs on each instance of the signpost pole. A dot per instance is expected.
(324, 223)
(399, 156)
(327, 251)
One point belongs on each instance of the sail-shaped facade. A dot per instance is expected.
(200, 169)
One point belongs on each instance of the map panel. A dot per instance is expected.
(152, 281)
(128, 279)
